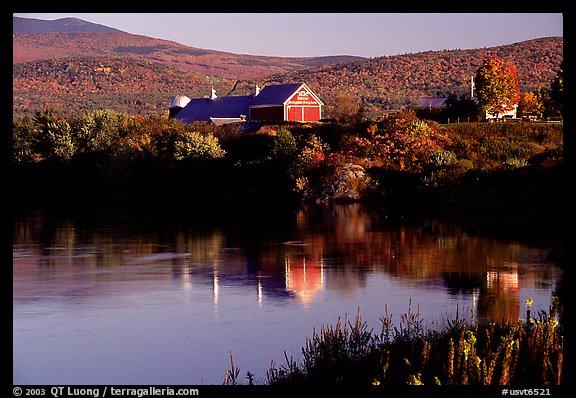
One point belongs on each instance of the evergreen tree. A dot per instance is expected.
(557, 93)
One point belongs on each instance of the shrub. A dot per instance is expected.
(493, 146)
(192, 145)
(442, 157)
(503, 148)
(284, 145)
(311, 156)
(419, 128)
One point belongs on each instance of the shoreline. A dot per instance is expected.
(528, 202)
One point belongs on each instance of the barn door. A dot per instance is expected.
(311, 114)
(295, 114)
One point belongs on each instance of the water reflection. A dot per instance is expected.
(292, 258)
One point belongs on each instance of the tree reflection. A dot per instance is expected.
(296, 258)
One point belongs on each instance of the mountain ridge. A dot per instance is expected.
(30, 45)
(70, 24)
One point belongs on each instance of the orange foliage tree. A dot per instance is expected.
(497, 86)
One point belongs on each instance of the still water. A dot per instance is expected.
(103, 298)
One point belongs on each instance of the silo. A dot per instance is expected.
(177, 103)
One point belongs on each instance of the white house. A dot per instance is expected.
(510, 114)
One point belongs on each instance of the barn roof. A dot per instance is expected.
(275, 94)
(202, 109)
(279, 93)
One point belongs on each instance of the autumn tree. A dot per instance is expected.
(346, 108)
(530, 103)
(497, 86)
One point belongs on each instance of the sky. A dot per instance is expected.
(322, 34)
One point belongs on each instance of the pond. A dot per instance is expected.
(135, 298)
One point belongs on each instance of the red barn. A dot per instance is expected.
(286, 102)
(275, 103)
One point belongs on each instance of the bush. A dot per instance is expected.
(503, 145)
(402, 142)
(302, 159)
(504, 148)
(442, 157)
(284, 145)
(191, 145)
(419, 128)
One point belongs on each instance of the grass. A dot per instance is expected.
(528, 352)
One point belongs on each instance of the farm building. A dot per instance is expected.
(275, 103)
(440, 103)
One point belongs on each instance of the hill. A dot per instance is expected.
(39, 40)
(394, 81)
(50, 45)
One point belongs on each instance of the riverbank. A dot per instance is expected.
(527, 203)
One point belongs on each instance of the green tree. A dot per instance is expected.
(55, 136)
(99, 130)
(460, 107)
(497, 86)
(24, 140)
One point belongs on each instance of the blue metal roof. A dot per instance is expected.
(276, 94)
(202, 109)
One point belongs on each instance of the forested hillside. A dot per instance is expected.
(124, 83)
(395, 81)
(80, 85)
